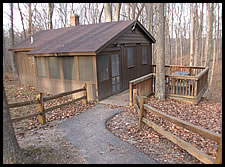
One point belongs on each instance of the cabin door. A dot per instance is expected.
(115, 66)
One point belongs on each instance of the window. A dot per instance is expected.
(41, 67)
(68, 68)
(103, 70)
(130, 56)
(144, 55)
(85, 68)
(53, 66)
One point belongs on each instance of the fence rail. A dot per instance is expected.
(40, 99)
(142, 108)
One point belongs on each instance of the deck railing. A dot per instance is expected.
(181, 87)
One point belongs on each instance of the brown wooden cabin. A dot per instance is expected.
(105, 56)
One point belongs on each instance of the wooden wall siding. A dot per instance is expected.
(26, 69)
(136, 36)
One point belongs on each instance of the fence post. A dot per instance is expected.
(142, 112)
(40, 108)
(131, 94)
(84, 101)
(219, 153)
(134, 96)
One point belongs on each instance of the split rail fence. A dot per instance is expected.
(142, 108)
(40, 99)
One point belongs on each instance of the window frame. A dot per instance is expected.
(142, 47)
(133, 49)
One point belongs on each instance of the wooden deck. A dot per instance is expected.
(189, 87)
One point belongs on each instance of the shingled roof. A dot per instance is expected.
(77, 39)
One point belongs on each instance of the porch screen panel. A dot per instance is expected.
(85, 68)
(103, 69)
(41, 66)
(68, 68)
(53, 65)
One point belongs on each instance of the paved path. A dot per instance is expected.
(88, 133)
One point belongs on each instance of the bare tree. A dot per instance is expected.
(30, 21)
(21, 16)
(197, 32)
(209, 34)
(108, 12)
(117, 14)
(160, 58)
(192, 35)
(201, 51)
(149, 13)
(11, 150)
(50, 14)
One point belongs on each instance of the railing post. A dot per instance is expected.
(219, 153)
(142, 112)
(131, 94)
(84, 101)
(134, 96)
(40, 108)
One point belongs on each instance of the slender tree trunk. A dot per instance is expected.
(217, 43)
(11, 148)
(196, 36)
(108, 12)
(21, 16)
(192, 36)
(200, 36)
(209, 36)
(100, 15)
(30, 21)
(176, 56)
(50, 14)
(160, 58)
(117, 13)
(128, 11)
(214, 55)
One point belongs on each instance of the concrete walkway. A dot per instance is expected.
(88, 133)
(120, 99)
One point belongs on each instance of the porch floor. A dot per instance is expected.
(120, 99)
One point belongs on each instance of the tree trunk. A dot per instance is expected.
(208, 44)
(108, 12)
(21, 16)
(176, 56)
(201, 51)
(11, 148)
(192, 36)
(149, 10)
(160, 58)
(217, 43)
(196, 36)
(117, 13)
(214, 55)
(50, 14)
(30, 21)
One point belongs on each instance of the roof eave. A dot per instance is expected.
(63, 54)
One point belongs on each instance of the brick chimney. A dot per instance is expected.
(74, 20)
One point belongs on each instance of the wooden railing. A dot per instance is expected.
(186, 88)
(170, 69)
(142, 108)
(144, 85)
(40, 99)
